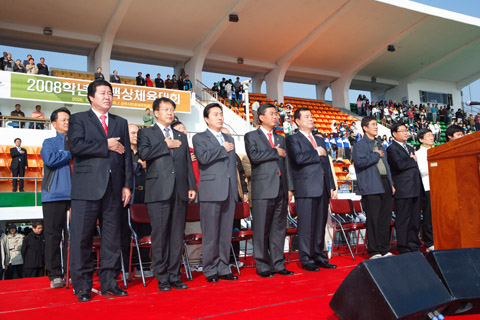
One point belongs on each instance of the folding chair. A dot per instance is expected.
(242, 211)
(193, 215)
(138, 213)
(360, 216)
(342, 213)
(291, 231)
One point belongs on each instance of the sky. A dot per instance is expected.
(65, 61)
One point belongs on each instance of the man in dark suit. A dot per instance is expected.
(140, 80)
(18, 164)
(271, 191)
(313, 182)
(217, 190)
(102, 180)
(407, 180)
(170, 184)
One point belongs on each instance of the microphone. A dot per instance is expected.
(472, 103)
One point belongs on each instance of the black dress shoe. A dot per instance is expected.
(326, 265)
(229, 276)
(164, 286)
(266, 274)
(285, 272)
(212, 279)
(310, 267)
(179, 285)
(84, 296)
(115, 291)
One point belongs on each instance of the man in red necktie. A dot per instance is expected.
(271, 192)
(314, 185)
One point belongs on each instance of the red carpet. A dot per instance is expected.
(304, 295)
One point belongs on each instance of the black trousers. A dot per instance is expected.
(168, 224)
(312, 219)
(19, 171)
(427, 228)
(269, 227)
(14, 271)
(378, 209)
(34, 272)
(85, 214)
(55, 224)
(407, 224)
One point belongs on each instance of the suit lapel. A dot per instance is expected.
(112, 123)
(96, 122)
(305, 140)
(176, 136)
(263, 138)
(158, 133)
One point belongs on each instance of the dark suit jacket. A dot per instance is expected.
(266, 163)
(218, 169)
(308, 169)
(93, 163)
(405, 172)
(18, 158)
(165, 171)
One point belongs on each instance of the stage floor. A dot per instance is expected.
(304, 295)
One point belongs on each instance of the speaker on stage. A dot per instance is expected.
(395, 287)
(459, 270)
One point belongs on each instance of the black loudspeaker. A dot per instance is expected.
(395, 287)
(459, 270)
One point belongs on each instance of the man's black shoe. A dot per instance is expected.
(310, 267)
(266, 274)
(229, 276)
(115, 291)
(179, 285)
(84, 296)
(164, 286)
(212, 279)
(285, 272)
(326, 265)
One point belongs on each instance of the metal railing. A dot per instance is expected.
(36, 191)
(24, 122)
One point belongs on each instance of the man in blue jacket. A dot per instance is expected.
(56, 186)
(375, 185)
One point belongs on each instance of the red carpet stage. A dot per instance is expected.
(305, 295)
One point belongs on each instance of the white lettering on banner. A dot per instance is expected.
(69, 87)
(140, 95)
(116, 92)
(127, 95)
(151, 95)
(82, 90)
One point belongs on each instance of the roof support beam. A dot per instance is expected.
(465, 82)
(275, 77)
(104, 50)
(341, 86)
(194, 66)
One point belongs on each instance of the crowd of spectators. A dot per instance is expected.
(231, 91)
(27, 66)
(170, 83)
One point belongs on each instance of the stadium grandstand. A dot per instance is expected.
(410, 59)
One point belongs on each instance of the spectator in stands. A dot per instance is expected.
(56, 186)
(31, 67)
(237, 83)
(181, 84)
(33, 252)
(17, 113)
(140, 80)
(148, 81)
(333, 146)
(340, 149)
(255, 107)
(19, 164)
(147, 118)
(168, 83)
(215, 152)
(174, 82)
(215, 89)
(477, 122)
(38, 114)
(114, 78)
(375, 185)
(288, 125)
(410, 116)
(42, 67)
(454, 132)
(426, 138)
(3, 253)
(272, 187)
(159, 81)
(229, 90)
(347, 146)
(352, 138)
(99, 75)
(14, 269)
(8, 63)
(18, 67)
(27, 61)
(360, 110)
(187, 84)
(167, 198)
(406, 178)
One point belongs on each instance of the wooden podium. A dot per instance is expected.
(454, 170)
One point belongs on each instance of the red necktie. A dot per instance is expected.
(273, 146)
(104, 124)
(312, 141)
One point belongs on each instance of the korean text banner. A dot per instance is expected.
(75, 91)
